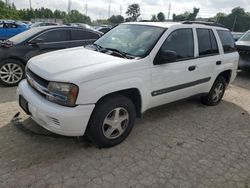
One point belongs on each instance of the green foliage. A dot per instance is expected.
(161, 16)
(154, 18)
(133, 12)
(187, 16)
(238, 20)
(76, 17)
(116, 19)
(10, 12)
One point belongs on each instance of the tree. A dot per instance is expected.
(238, 20)
(187, 16)
(133, 12)
(153, 18)
(76, 17)
(116, 19)
(161, 16)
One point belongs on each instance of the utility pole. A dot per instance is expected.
(86, 8)
(169, 10)
(109, 10)
(120, 10)
(235, 19)
(69, 6)
(30, 5)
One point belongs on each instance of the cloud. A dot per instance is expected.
(99, 8)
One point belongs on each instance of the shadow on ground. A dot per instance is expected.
(243, 80)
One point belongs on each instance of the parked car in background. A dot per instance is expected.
(15, 52)
(237, 35)
(82, 25)
(11, 28)
(243, 47)
(41, 24)
(104, 29)
(101, 89)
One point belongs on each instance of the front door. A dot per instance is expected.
(172, 81)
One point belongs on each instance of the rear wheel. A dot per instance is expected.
(111, 121)
(11, 72)
(216, 93)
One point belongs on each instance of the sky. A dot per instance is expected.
(98, 9)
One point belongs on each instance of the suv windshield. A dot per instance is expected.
(24, 35)
(245, 37)
(131, 39)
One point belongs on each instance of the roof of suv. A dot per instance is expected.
(157, 24)
(169, 24)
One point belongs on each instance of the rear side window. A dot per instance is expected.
(83, 35)
(92, 35)
(180, 41)
(207, 42)
(55, 36)
(227, 41)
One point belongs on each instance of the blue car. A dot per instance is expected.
(9, 29)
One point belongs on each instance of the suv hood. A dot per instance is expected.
(72, 64)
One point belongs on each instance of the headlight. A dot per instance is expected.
(62, 93)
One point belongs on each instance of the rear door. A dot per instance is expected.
(230, 56)
(81, 37)
(208, 58)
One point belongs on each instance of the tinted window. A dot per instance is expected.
(180, 41)
(207, 42)
(83, 35)
(55, 36)
(227, 41)
(104, 30)
(92, 35)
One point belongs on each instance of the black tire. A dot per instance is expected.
(103, 109)
(210, 100)
(20, 72)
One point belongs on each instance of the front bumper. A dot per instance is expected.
(58, 119)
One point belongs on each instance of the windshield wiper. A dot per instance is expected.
(123, 54)
(98, 47)
(119, 52)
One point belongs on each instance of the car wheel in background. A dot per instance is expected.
(12, 72)
(112, 120)
(216, 93)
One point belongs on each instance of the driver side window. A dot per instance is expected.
(181, 42)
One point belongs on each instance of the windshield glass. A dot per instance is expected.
(245, 37)
(135, 40)
(24, 35)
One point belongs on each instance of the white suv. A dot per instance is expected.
(100, 90)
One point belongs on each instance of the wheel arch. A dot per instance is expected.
(227, 74)
(133, 94)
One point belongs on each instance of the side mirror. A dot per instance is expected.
(36, 41)
(166, 56)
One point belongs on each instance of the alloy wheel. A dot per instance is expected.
(115, 123)
(11, 73)
(218, 92)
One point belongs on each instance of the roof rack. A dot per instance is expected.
(204, 23)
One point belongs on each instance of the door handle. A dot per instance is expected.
(218, 62)
(192, 68)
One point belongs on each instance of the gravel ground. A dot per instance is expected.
(184, 144)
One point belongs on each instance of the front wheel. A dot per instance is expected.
(216, 93)
(11, 72)
(111, 121)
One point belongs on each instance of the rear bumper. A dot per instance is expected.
(55, 118)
